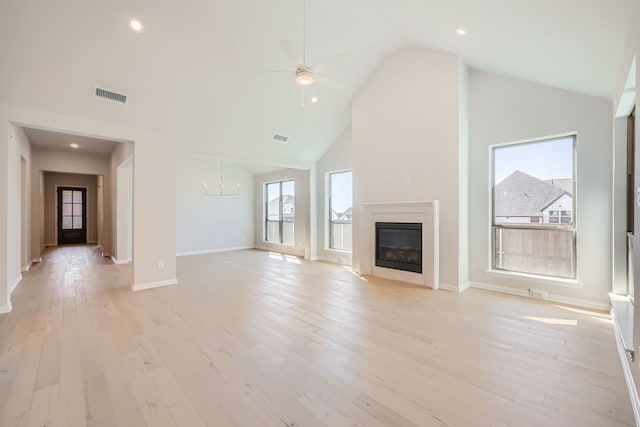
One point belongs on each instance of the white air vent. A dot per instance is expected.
(112, 96)
(280, 138)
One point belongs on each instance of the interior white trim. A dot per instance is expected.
(6, 308)
(14, 285)
(213, 251)
(594, 305)
(152, 285)
(36, 260)
(117, 261)
(28, 266)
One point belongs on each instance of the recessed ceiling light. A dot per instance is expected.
(461, 31)
(314, 99)
(135, 25)
(74, 145)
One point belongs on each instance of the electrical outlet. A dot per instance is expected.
(160, 265)
(538, 293)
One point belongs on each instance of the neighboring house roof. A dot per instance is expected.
(342, 216)
(521, 194)
(564, 183)
(287, 201)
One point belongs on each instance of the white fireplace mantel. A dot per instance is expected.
(420, 211)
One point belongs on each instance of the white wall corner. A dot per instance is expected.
(152, 285)
(6, 308)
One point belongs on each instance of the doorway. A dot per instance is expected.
(72, 215)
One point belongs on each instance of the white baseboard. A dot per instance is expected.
(48, 245)
(28, 266)
(6, 308)
(453, 288)
(550, 297)
(117, 261)
(106, 255)
(633, 391)
(213, 251)
(93, 242)
(152, 285)
(36, 260)
(13, 285)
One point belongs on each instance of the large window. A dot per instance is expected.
(280, 211)
(534, 207)
(340, 210)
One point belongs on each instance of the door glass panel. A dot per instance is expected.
(77, 197)
(66, 209)
(67, 223)
(77, 210)
(67, 196)
(77, 222)
(273, 201)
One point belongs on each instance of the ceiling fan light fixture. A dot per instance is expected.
(304, 78)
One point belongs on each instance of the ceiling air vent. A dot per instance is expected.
(280, 138)
(112, 96)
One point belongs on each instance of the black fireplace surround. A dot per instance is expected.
(399, 246)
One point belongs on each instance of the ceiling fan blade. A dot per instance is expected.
(328, 82)
(333, 58)
(290, 52)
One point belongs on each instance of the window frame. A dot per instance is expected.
(281, 219)
(330, 221)
(494, 227)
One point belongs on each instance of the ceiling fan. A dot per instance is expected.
(305, 75)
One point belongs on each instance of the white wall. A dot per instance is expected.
(212, 223)
(24, 148)
(18, 147)
(53, 180)
(406, 143)
(121, 166)
(628, 82)
(506, 110)
(302, 212)
(6, 245)
(336, 158)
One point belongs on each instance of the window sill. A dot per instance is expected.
(567, 283)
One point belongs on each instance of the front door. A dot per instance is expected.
(72, 215)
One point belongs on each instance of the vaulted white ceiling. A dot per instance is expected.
(196, 71)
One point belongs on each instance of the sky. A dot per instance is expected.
(544, 160)
(341, 191)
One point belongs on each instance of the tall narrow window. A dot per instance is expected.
(340, 210)
(280, 212)
(534, 207)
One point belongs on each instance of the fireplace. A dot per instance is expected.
(399, 246)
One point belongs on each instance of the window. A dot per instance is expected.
(280, 211)
(340, 210)
(534, 207)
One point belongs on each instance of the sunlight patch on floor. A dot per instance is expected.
(553, 321)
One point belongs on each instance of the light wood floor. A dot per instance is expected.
(257, 339)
